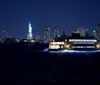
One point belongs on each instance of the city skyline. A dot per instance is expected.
(51, 34)
(66, 15)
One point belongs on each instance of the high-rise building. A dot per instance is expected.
(46, 33)
(30, 35)
(63, 34)
(86, 33)
(98, 28)
(55, 32)
(98, 31)
(75, 34)
(94, 33)
(5, 33)
(37, 38)
(81, 31)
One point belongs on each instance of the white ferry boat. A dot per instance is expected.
(74, 43)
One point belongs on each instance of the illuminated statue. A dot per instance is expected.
(30, 35)
(30, 28)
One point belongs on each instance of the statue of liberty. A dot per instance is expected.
(30, 36)
(30, 28)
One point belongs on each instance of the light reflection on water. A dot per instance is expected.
(73, 51)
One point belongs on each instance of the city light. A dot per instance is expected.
(67, 46)
(86, 40)
(53, 40)
(75, 51)
(98, 46)
(57, 43)
(65, 40)
(54, 46)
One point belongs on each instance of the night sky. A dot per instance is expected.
(66, 14)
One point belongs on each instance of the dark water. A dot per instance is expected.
(18, 66)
